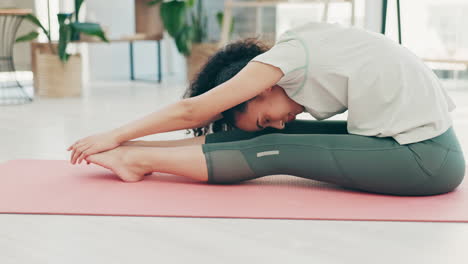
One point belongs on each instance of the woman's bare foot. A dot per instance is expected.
(122, 162)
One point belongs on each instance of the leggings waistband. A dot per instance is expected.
(448, 140)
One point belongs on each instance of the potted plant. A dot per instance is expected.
(56, 72)
(187, 24)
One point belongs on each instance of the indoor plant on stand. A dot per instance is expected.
(56, 72)
(186, 22)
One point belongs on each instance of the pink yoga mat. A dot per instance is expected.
(57, 187)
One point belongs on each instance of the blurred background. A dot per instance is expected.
(432, 29)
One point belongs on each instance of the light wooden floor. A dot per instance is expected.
(43, 130)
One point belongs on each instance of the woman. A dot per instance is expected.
(398, 138)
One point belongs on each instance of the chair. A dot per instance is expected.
(11, 92)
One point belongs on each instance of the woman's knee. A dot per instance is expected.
(452, 172)
(447, 179)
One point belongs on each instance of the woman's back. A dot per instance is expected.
(387, 90)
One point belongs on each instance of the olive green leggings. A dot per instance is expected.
(325, 151)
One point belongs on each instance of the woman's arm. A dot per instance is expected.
(184, 114)
(175, 143)
(252, 80)
(173, 117)
(207, 107)
(167, 143)
(194, 111)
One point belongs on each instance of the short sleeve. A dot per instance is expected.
(289, 55)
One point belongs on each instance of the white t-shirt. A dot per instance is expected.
(387, 90)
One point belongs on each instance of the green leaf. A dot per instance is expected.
(232, 26)
(64, 36)
(190, 3)
(154, 2)
(173, 16)
(184, 40)
(196, 27)
(74, 34)
(30, 36)
(62, 17)
(205, 27)
(78, 4)
(33, 19)
(91, 29)
(219, 18)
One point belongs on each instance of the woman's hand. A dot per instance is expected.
(91, 145)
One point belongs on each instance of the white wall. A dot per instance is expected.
(373, 15)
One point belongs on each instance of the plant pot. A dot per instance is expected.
(52, 78)
(199, 56)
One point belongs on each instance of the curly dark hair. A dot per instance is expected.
(221, 67)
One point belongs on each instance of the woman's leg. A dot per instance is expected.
(364, 163)
(131, 163)
(295, 127)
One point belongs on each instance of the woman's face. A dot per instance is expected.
(272, 108)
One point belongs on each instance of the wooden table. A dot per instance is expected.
(131, 39)
(43, 47)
